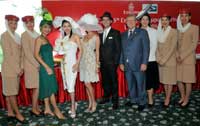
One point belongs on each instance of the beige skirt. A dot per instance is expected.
(31, 78)
(167, 75)
(186, 73)
(10, 86)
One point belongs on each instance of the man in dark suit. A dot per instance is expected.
(110, 50)
(133, 60)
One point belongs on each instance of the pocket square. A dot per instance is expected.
(110, 37)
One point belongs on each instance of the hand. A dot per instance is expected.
(21, 72)
(121, 66)
(61, 43)
(97, 66)
(97, 69)
(179, 60)
(75, 67)
(38, 68)
(49, 71)
(143, 67)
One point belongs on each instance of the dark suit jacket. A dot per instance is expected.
(135, 49)
(110, 50)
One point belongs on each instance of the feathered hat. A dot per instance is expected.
(47, 17)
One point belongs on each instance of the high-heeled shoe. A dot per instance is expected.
(10, 118)
(22, 121)
(73, 115)
(60, 118)
(34, 114)
(165, 106)
(179, 103)
(48, 114)
(93, 109)
(88, 110)
(150, 105)
(76, 105)
(185, 106)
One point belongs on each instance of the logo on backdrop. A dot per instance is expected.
(130, 9)
(153, 10)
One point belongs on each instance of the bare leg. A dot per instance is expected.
(181, 88)
(89, 98)
(72, 95)
(13, 101)
(188, 92)
(9, 107)
(56, 109)
(168, 96)
(150, 96)
(35, 101)
(47, 109)
(91, 92)
(166, 92)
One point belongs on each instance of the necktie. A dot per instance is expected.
(130, 33)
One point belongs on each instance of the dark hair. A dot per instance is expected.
(65, 21)
(149, 18)
(43, 22)
(168, 17)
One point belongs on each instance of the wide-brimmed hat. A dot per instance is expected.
(57, 22)
(89, 22)
(107, 14)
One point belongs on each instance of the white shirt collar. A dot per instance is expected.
(131, 29)
(107, 30)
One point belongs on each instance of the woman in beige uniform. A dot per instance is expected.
(11, 66)
(188, 35)
(31, 66)
(166, 56)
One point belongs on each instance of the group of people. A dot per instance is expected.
(146, 55)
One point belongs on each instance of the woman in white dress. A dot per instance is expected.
(69, 45)
(89, 65)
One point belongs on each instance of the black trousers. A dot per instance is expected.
(110, 81)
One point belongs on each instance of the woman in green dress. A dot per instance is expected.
(47, 79)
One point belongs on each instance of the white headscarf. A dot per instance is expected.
(15, 36)
(180, 26)
(33, 34)
(162, 35)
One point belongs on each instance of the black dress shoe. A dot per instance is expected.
(115, 106)
(103, 101)
(129, 104)
(141, 107)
